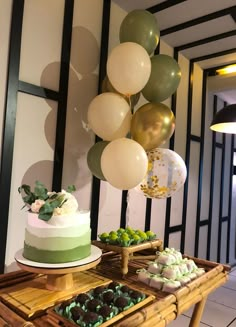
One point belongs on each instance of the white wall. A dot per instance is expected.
(36, 117)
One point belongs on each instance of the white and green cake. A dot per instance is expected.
(61, 239)
(56, 230)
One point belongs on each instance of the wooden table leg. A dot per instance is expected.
(124, 262)
(197, 313)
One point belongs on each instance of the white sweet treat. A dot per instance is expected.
(166, 259)
(144, 276)
(199, 271)
(171, 272)
(190, 264)
(157, 282)
(183, 268)
(171, 286)
(183, 280)
(155, 268)
(192, 275)
(178, 256)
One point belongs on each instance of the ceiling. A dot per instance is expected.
(202, 30)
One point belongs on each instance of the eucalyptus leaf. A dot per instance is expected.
(71, 188)
(40, 191)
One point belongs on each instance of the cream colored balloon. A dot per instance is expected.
(124, 163)
(128, 68)
(109, 116)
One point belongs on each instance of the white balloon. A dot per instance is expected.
(128, 68)
(109, 116)
(124, 163)
(166, 174)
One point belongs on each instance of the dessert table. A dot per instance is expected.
(25, 301)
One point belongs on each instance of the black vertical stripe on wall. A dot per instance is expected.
(212, 183)
(230, 197)
(200, 168)
(9, 122)
(95, 196)
(221, 198)
(171, 146)
(148, 215)
(124, 204)
(187, 153)
(148, 212)
(63, 92)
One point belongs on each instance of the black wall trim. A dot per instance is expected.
(200, 169)
(212, 183)
(123, 209)
(187, 153)
(230, 198)
(206, 40)
(171, 146)
(219, 145)
(195, 138)
(38, 91)
(176, 228)
(164, 5)
(198, 20)
(9, 122)
(221, 200)
(203, 222)
(148, 215)
(214, 55)
(63, 92)
(95, 196)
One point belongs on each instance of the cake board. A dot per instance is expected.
(59, 276)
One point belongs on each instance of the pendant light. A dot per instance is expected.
(225, 120)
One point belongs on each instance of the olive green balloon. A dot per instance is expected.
(140, 26)
(152, 125)
(94, 159)
(164, 79)
(108, 87)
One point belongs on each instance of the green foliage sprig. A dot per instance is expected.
(52, 200)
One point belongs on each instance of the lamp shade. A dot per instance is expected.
(225, 120)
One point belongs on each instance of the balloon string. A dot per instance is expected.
(130, 103)
(128, 209)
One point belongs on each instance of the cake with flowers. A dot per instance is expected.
(56, 230)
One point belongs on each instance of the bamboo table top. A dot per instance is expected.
(24, 299)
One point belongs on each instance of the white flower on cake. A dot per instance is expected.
(70, 204)
(47, 204)
(35, 206)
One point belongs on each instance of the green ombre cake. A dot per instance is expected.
(61, 239)
(56, 231)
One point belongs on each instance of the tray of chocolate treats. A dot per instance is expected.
(100, 306)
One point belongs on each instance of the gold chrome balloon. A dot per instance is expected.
(152, 125)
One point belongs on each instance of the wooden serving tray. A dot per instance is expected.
(127, 253)
(55, 318)
(31, 298)
(216, 275)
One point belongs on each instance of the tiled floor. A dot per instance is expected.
(220, 309)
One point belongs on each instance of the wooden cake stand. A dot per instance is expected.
(59, 276)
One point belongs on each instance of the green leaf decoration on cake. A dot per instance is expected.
(40, 191)
(71, 189)
(126, 237)
(44, 203)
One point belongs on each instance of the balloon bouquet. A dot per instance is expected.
(129, 157)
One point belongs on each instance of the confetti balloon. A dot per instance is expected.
(166, 174)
